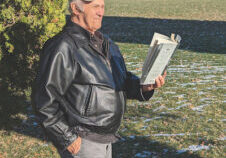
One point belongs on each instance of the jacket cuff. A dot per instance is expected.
(133, 89)
(60, 134)
(69, 141)
(146, 95)
(63, 141)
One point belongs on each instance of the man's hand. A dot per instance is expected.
(75, 146)
(159, 82)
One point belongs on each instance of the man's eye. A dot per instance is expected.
(96, 6)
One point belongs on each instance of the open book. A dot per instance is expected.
(161, 50)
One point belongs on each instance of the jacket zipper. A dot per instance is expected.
(106, 60)
(86, 107)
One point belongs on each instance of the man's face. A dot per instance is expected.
(93, 15)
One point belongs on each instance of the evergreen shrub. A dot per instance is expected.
(24, 27)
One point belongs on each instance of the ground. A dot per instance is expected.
(185, 118)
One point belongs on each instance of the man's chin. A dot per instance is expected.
(97, 27)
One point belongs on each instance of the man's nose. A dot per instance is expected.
(100, 12)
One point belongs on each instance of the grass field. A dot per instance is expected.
(185, 118)
(170, 9)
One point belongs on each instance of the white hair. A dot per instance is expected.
(79, 4)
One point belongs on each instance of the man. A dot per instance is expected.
(83, 84)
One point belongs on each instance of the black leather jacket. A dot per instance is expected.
(77, 86)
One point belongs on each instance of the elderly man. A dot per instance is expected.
(83, 84)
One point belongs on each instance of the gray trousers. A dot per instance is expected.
(90, 149)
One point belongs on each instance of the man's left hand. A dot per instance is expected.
(159, 82)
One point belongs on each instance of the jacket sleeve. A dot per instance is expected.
(134, 90)
(56, 73)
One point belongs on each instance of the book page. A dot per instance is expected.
(159, 37)
(161, 61)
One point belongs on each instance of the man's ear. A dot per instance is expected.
(75, 9)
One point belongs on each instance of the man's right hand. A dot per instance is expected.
(75, 146)
(159, 82)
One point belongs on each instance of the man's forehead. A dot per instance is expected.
(94, 1)
(87, 0)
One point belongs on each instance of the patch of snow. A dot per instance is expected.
(31, 116)
(205, 99)
(222, 138)
(180, 96)
(181, 106)
(182, 101)
(169, 92)
(197, 147)
(154, 118)
(35, 124)
(122, 139)
(45, 145)
(181, 151)
(165, 150)
(200, 108)
(209, 76)
(159, 108)
(145, 154)
(24, 121)
(132, 137)
(187, 84)
(168, 135)
(124, 129)
(144, 128)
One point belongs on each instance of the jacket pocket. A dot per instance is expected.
(86, 107)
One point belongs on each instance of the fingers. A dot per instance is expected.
(148, 87)
(159, 82)
(162, 80)
(164, 74)
(75, 146)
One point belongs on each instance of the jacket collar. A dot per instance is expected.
(80, 31)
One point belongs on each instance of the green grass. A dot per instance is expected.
(190, 107)
(188, 110)
(170, 9)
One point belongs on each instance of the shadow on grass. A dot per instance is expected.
(198, 36)
(142, 147)
(17, 115)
